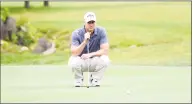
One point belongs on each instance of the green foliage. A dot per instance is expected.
(23, 20)
(59, 37)
(4, 13)
(9, 47)
(14, 38)
(28, 32)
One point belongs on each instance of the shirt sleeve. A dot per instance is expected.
(74, 38)
(103, 37)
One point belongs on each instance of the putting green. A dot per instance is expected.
(157, 84)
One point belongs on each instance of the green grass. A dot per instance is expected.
(31, 59)
(159, 54)
(161, 29)
(46, 84)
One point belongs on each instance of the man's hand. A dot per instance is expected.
(86, 56)
(87, 36)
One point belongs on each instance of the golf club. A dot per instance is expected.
(88, 65)
(90, 31)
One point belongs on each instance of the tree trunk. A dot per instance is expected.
(27, 4)
(46, 3)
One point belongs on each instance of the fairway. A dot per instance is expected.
(133, 84)
(159, 31)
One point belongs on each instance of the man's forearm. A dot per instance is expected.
(99, 52)
(77, 50)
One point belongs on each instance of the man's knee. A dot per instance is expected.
(75, 62)
(106, 59)
(103, 61)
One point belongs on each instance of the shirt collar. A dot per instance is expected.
(95, 30)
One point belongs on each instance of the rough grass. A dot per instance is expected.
(160, 30)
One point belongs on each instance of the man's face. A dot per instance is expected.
(90, 25)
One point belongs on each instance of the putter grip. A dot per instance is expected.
(89, 38)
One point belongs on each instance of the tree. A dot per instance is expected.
(46, 3)
(27, 4)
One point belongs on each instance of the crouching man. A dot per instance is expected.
(89, 50)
